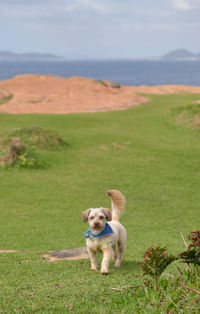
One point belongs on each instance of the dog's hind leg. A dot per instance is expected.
(114, 252)
(121, 249)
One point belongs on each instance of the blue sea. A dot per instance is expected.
(125, 72)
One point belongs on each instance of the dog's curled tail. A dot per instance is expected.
(118, 203)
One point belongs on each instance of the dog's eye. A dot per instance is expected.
(101, 217)
(92, 217)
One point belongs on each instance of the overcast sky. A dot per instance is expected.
(100, 28)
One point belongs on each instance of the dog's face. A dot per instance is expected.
(97, 218)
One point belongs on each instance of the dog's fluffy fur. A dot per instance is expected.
(97, 218)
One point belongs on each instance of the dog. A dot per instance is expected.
(106, 236)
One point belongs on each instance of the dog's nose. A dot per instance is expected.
(96, 225)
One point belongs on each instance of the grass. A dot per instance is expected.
(141, 151)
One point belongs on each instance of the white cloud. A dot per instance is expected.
(98, 26)
(183, 5)
(150, 26)
(35, 9)
(23, 13)
(92, 4)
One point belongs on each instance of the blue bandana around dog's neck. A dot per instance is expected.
(108, 230)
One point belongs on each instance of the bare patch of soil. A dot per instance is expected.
(8, 251)
(51, 94)
(71, 254)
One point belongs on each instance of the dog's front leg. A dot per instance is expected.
(93, 258)
(106, 259)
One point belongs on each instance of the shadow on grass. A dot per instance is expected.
(129, 266)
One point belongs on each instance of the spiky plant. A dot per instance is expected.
(156, 260)
(192, 254)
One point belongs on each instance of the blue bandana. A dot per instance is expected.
(108, 230)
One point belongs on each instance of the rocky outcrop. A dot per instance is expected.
(108, 83)
(52, 94)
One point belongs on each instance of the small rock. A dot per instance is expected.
(112, 84)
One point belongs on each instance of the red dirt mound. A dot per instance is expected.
(51, 94)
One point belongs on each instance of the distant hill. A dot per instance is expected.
(181, 54)
(11, 56)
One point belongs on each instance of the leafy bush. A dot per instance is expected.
(156, 261)
(40, 138)
(23, 147)
(189, 115)
(175, 293)
(30, 159)
(192, 254)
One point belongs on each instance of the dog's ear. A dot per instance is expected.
(85, 215)
(107, 213)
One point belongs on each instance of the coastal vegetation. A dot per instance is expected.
(25, 147)
(150, 153)
(189, 115)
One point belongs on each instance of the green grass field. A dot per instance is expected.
(146, 152)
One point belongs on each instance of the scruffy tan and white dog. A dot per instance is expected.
(106, 236)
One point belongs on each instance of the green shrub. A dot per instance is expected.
(156, 261)
(192, 254)
(41, 138)
(31, 159)
(189, 115)
(23, 147)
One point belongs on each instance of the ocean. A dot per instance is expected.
(133, 73)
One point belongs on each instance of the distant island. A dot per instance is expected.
(11, 56)
(181, 54)
(174, 55)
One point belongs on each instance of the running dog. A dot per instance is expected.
(106, 236)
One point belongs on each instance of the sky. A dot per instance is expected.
(100, 28)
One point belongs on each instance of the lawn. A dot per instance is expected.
(147, 152)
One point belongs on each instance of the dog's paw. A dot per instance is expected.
(104, 271)
(117, 264)
(94, 268)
